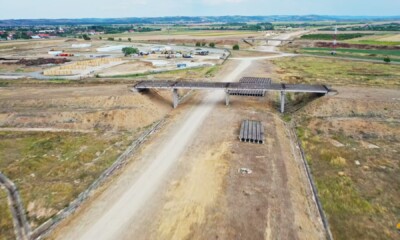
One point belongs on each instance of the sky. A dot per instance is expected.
(23, 9)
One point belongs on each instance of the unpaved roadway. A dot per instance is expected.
(108, 220)
(271, 46)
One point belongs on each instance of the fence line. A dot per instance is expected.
(21, 226)
(313, 187)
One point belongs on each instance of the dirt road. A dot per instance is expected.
(141, 190)
(271, 46)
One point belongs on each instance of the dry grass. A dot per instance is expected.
(4, 68)
(337, 72)
(360, 201)
(180, 74)
(182, 33)
(385, 39)
(51, 169)
(6, 224)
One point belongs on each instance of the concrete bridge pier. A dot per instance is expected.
(175, 97)
(226, 98)
(283, 95)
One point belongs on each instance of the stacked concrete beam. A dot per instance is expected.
(251, 131)
(251, 93)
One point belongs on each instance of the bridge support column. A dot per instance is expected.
(226, 98)
(175, 97)
(283, 95)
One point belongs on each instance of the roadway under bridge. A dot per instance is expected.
(267, 40)
(253, 86)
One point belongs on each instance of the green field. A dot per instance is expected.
(371, 54)
(340, 37)
(375, 42)
(364, 51)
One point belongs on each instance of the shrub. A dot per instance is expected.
(236, 47)
(212, 45)
(386, 59)
(110, 39)
(198, 44)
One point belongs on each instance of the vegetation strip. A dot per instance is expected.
(343, 36)
(312, 184)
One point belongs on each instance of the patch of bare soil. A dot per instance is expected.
(357, 102)
(112, 107)
(17, 68)
(38, 61)
(127, 68)
(250, 53)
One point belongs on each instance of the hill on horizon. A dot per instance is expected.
(193, 20)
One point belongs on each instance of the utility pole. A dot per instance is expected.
(334, 42)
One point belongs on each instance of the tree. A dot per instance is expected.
(100, 38)
(120, 39)
(110, 39)
(130, 39)
(130, 50)
(235, 47)
(386, 59)
(86, 37)
(203, 44)
(198, 44)
(4, 35)
(212, 45)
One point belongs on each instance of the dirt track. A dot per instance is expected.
(140, 192)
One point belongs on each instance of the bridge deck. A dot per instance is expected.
(268, 39)
(232, 86)
(254, 93)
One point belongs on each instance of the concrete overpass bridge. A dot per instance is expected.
(267, 40)
(245, 87)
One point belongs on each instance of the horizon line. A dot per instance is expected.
(193, 16)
